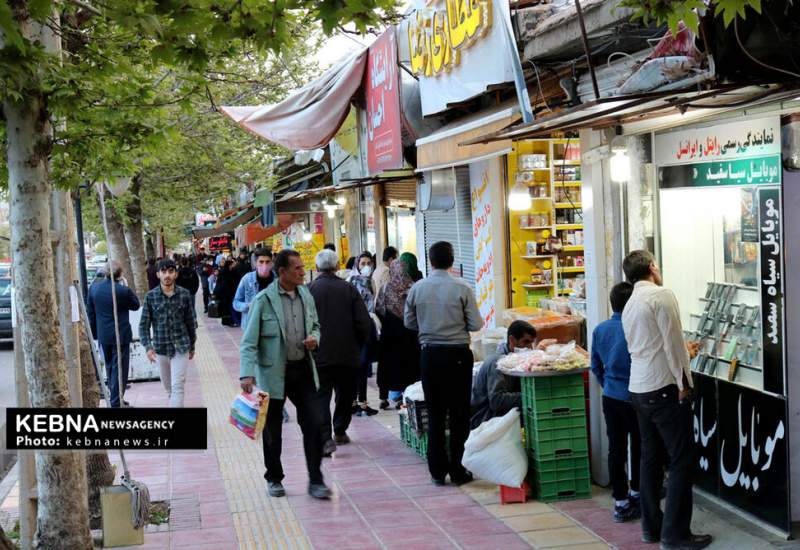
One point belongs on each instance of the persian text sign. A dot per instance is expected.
(771, 288)
(483, 175)
(741, 139)
(458, 48)
(749, 171)
(384, 147)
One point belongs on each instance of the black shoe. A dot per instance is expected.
(629, 512)
(319, 490)
(275, 489)
(341, 439)
(384, 405)
(462, 479)
(329, 448)
(366, 410)
(438, 482)
(650, 539)
(694, 542)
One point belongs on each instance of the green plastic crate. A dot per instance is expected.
(558, 442)
(553, 396)
(559, 479)
(576, 419)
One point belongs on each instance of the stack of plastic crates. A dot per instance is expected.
(417, 442)
(554, 413)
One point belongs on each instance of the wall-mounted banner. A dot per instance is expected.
(750, 171)
(769, 201)
(217, 244)
(384, 146)
(482, 176)
(740, 139)
(457, 49)
(347, 157)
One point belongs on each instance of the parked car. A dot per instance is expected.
(6, 333)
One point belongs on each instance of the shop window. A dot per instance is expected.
(402, 229)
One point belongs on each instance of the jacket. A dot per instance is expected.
(100, 309)
(493, 393)
(263, 347)
(246, 293)
(344, 321)
(188, 279)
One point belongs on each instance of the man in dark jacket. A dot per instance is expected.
(345, 326)
(188, 279)
(100, 309)
(152, 274)
(494, 393)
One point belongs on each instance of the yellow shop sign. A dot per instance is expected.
(437, 34)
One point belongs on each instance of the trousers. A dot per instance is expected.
(621, 422)
(342, 380)
(447, 384)
(173, 376)
(300, 389)
(666, 423)
(112, 375)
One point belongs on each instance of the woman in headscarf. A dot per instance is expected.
(361, 278)
(398, 364)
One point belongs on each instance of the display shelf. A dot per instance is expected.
(568, 205)
(565, 291)
(531, 285)
(568, 226)
(572, 248)
(566, 183)
(557, 163)
(545, 169)
(572, 269)
(537, 257)
(536, 227)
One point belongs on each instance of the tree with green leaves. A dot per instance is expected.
(672, 12)
(40, 41)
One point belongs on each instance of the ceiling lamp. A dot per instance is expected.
(519, 198)
(330, 207)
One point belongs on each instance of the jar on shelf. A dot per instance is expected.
(537, 278)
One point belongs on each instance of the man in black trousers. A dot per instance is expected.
(443, 310)
(344, 328)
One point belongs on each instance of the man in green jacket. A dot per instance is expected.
(281, 332)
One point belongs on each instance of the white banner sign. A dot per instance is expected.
(482, 176)
(740, 139)
(458, 48)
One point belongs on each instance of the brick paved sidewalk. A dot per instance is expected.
(382, 494)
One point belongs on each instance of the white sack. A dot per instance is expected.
(494, 451)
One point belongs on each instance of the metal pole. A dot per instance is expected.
(586, 49)
(81, 246)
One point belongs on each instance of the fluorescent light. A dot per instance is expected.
(620, 166)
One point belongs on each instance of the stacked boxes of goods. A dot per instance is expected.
(554, 414)
(414, 438)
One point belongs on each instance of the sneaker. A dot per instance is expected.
(329, 448)
(319, 490)
(368, 411)
(694, 542)
(630, 512)
(341, 439)
(384, 405)
(275, 489)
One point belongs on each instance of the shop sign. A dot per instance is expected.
(458, 49)
(384, 147)
(741, 139)
(346, 154)
(771, 289)
(751, 171)
(741, 439)
(483, 175)
(222, 242)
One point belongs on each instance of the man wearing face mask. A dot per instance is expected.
(494, 393)
(253, 282)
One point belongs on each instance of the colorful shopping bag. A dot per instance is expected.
(249, 413)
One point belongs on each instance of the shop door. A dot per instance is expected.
(455, 226)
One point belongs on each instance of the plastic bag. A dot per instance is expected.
(249, 413)
(494, 451)
(414, 392)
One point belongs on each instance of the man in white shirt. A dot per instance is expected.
(661, 391)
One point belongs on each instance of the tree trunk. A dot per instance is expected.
(63, 518)
(134, 238)
(5, 542)
(99, 472)
(117, 248)
(149, 247)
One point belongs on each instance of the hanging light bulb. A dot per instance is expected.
(620, 165)
(519, 198)
(330, 207)
(306, 235)
(341, 200)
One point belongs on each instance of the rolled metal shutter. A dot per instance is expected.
(401, 193)
(455, 226)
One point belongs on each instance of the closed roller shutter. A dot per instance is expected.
(455, 226)
(401, 193)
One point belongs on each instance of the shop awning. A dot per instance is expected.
(309, 118)
(254, 232)
(228, 225)
(636, 109)
(443, 148)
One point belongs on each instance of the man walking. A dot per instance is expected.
(442, 309)
(345, 327)
(611, 364)
(281, 332)
(381, 275)
(169, 311)
(253, 282)
(100, 309)
(661, 391)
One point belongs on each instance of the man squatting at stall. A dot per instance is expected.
(494, 393)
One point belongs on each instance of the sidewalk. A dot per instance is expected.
(383, 497)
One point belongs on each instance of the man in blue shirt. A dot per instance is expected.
(611, 364)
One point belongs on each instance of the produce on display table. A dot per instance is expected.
(553, 358)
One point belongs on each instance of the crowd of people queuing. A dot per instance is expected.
(311, 342)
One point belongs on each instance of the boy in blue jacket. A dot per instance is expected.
(611, 364)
